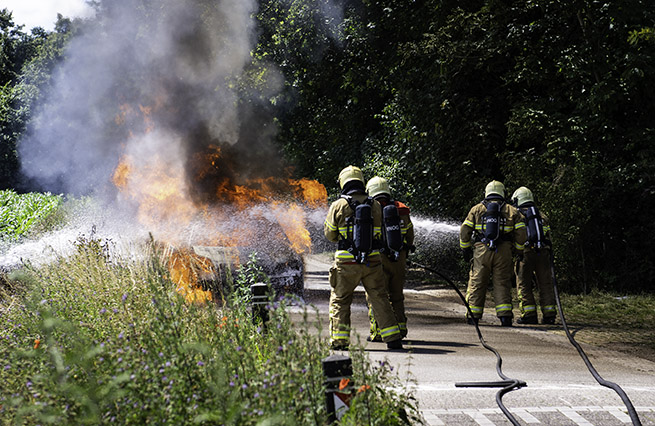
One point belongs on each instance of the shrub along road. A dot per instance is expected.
(442, 350)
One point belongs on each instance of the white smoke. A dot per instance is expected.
(174, 59)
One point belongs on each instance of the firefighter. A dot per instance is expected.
(353, 222)
(491, 232)
(397, 240)
(534, 266)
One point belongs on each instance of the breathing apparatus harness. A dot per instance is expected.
(535, 227)
(392, 236)
(359, 229)
(492, 223)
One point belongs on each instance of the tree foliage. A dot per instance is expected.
(449, 95)
(27, 61)
(442, 96)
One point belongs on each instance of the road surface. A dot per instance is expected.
(443, 350)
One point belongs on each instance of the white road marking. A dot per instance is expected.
(573, 413)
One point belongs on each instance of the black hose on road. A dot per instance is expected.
(507, 384)
(628, 404)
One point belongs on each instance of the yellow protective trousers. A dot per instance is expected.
(344, 278)
(535, 269)
(395, 274)
(496, 264)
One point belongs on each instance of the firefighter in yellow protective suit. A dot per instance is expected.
(534, 266)
(398, 239)
(353, 222)
(492, 230)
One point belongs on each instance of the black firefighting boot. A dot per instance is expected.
(395, 344)
(505, 321)
(548, 320)
(528, 319)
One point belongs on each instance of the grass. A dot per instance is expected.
(94, 338)
(617, 321)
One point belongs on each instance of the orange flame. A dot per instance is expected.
(185, 269)
(159, 187)
(292, 220)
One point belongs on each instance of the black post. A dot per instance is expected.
(338, 371)
(259, 293)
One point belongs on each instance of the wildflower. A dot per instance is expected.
(124, 298)
(37, 343)
(363, 388)
(120, 335)
(238, 348)
(103, 310)
(231, 384)
(343, 383)
(244, 386)
(168, 364)
(200, 363)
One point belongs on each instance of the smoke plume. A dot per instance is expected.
(151, 80)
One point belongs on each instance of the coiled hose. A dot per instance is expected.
(628, 404)
(507, 384)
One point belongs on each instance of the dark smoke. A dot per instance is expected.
(155, 78)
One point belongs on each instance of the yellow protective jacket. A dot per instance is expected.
(335, 227)
(512, 226)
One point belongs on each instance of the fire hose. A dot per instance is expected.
(616, 388)
(507, 384)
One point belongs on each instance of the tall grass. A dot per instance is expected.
(94, 339)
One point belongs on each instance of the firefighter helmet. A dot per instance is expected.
(350, 173)
(494, 187)
(522, 196)
(378, 186)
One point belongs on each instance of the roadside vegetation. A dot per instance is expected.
(96, 338)
(22, 213)
(612, 320)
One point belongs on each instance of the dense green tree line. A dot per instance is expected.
(443, 96)
(27, 60)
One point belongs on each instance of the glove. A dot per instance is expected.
(468, 254)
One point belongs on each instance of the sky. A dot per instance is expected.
(43, 13)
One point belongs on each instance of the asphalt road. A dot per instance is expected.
(442, 350)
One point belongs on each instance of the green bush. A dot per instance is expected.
(96, 338)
